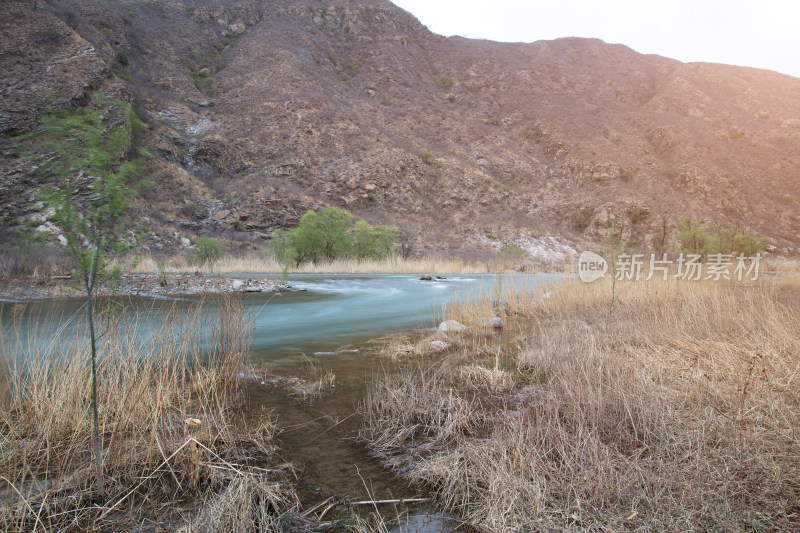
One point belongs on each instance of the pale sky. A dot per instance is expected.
(758, 33)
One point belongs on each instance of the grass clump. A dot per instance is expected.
(444, 82)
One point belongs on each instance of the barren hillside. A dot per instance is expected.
(258, 110)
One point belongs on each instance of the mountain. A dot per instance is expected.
(259, 110)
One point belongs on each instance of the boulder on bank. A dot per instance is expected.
(438, 346)
(452, 326)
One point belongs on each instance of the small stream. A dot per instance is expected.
(330, 327)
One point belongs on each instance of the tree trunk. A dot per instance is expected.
(97, 445)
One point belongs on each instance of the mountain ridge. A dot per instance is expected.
(260, 110)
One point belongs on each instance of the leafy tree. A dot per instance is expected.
(327, 235)
(90, 152)
(323, 235)
(693, 237)
(207, 251)
(707, 239)
(374, 242)
(282, 247)
(748, 244)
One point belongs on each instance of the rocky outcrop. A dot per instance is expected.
(44, 62)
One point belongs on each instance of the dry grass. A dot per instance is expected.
(37, 261)
(393, 265)
(676, 409)
(508, 296)
(150, 383)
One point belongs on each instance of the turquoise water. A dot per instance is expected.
(345, 309)
(332, 311)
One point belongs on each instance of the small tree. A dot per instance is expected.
(693, 238)
(282, 247)
(663, 215)
(748, 244)
(89, 152)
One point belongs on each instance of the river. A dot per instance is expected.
(329, 327)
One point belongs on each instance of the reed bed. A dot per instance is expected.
(258, 264)
(652, 406)
(168, 400)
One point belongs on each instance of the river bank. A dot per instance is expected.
(196, 437)
(285, 412)
(666, 406)
(172, 285)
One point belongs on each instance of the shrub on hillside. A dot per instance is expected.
(207, 251)
(707, 239)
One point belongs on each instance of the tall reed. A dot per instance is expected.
(151, 382)
(392, 265)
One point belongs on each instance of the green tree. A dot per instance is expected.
(748, 244)
(693, 237)
(707, 239)
(323, 235)
(327, 235)
(89, 151)
(207, 251)
(282, 247)
(374, 242)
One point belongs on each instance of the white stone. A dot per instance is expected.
(452, 326)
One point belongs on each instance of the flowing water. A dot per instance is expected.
(328, 328)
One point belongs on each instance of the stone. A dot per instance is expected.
(452, 326)
(491, 322)
(439, 346)
(426, 277)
